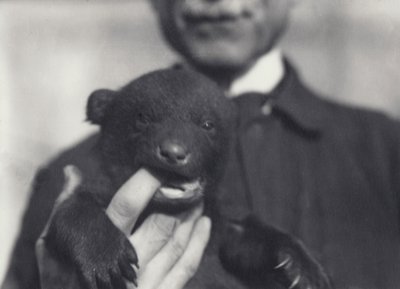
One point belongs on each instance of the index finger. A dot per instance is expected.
(131, 199)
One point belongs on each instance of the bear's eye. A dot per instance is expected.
(142, 120)
(208, 125)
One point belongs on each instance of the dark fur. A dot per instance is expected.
(160, 108)
(251, 251)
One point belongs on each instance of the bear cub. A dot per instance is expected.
(178, 124)
(175, 123)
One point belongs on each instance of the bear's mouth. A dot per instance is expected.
(181, 190)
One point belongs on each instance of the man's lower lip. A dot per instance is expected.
(214, 26)
(199, 20)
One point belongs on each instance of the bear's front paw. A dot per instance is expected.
(82, 236)
(296, 269)
(105, 259)
(262, 256)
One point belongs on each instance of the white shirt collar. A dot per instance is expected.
(263, 77)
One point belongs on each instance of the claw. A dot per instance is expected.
(134, 282)
(131, 255)
(127, 271)
(295, 282)
(286, 261)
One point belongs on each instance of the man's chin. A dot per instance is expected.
(218, 58)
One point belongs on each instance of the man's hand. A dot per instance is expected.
(169, 248)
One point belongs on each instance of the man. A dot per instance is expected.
(325, 173)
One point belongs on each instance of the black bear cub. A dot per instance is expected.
(175, 123)
(178, 124)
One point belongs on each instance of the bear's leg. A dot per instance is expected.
(259, 254)
(82, 235)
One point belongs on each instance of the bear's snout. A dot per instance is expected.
(173, 152)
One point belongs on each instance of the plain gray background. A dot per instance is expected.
(54, 53)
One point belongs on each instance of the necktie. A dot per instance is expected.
(236, 197)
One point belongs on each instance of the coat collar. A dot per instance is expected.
(296, 103)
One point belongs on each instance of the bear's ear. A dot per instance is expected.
(97, 105)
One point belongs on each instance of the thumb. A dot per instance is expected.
(72, 179)
(50, 270)
(131, 199)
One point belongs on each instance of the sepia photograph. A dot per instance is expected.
(200, 144)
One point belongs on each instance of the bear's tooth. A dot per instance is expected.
(172, 193)
(191, 186)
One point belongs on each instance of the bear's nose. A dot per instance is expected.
(173, 152)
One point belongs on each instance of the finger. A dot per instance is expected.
(51, 271)
(72, 179)
(152, 235)
(187, 265)
(131, 199)
(159, 266)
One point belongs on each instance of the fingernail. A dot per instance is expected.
(206, 222)
(67, 172)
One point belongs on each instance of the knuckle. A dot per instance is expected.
(164, 225)
(184, 273)
(190, 270)
(178, 248)
(123, 208)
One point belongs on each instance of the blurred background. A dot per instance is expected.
(54, 53)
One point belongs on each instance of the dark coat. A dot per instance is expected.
(326, 173)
